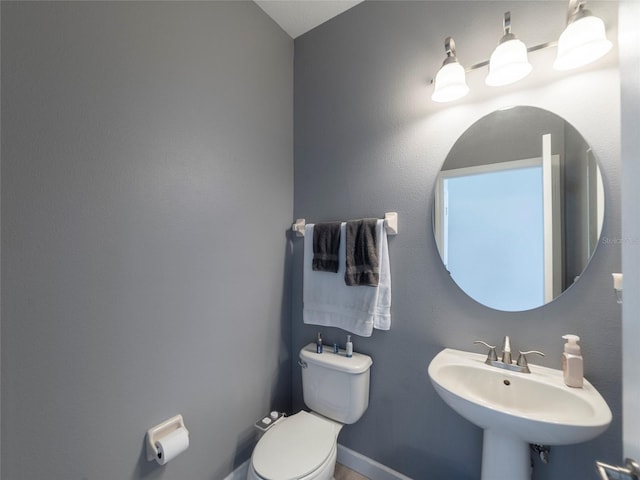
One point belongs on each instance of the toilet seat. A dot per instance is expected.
(295, 447)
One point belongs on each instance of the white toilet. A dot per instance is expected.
(304, 446)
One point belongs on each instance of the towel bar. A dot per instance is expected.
(390, 224)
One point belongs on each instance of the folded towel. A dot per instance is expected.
(330, 302)
(362, 253)
(326, 242)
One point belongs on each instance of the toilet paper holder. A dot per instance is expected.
(156, 433)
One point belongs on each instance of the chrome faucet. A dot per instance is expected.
(521, 364)
(506, 351)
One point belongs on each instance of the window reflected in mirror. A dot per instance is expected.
(518, 208)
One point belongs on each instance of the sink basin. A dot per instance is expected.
(537, 407)
(516, 409)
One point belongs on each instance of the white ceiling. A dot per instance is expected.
(299, 16)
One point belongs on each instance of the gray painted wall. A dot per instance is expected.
(368, 140)
(147, 178)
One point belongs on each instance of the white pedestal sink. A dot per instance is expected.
(516, 409)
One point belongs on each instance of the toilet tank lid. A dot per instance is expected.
(358, 363)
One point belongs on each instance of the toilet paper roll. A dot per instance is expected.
(172, 445)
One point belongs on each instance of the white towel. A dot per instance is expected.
(330, 302)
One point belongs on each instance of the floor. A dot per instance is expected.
(343, 473)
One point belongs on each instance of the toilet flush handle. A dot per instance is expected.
(302, 363)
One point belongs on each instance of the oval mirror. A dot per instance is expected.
(518, 208)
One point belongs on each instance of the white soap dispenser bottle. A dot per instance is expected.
(349, 347)
(572, 365)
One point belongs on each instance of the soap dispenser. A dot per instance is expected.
(572, 365)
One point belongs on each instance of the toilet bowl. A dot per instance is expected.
(304, 446)
(300, 447)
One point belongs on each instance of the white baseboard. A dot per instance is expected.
(366, 466)
(239, 473)
(347, 457)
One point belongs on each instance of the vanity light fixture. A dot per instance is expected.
(508, 62)
(582, 42)
(450, 82)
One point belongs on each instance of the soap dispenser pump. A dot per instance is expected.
(572, 364)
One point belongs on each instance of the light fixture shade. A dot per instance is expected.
(508, 63)
(450, 83)
(582, 42)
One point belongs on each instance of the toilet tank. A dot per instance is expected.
(335, 386)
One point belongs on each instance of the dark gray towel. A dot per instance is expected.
(362, 264)
(326, 242)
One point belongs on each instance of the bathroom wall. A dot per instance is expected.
(147, 187)
(368, 139)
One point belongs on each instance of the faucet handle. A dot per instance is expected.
(492, 356)
(522, 359)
